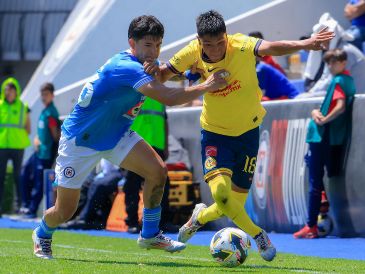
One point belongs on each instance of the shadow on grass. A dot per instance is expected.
(244, 267)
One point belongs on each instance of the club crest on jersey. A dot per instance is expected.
(210, 163)
(211, 151)
(133, 112)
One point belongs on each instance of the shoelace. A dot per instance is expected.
(262, 242)
(46, 246)
(163, 238)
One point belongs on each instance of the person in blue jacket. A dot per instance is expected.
(273, 83)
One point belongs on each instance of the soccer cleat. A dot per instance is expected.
(191, 227)
(307, 233)
(265, 247)
(42, 247)
(160, 241)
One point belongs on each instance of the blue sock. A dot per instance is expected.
(151, 221)
(44, 231)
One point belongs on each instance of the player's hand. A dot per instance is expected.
(216, 81)
(320, 122)
(194, 73)
(320, 40)
(36, 143)
(317, 116)
(153, 68)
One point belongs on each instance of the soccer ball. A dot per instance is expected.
(229, 246)
(324, 224)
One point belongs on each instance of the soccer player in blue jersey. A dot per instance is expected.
(99, 127)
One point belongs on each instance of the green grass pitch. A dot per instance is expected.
(78, 253)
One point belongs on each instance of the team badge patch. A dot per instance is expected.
(211, 151)
(69, 172)
(210, 163)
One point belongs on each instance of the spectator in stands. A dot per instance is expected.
(151, 125)
(326, 135)
(100, 195)
(318, 75)
(267, 59)
(273, 83)
(355, 12)
(14, 131)
(45, 144)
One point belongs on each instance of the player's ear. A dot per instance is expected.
(132, 43)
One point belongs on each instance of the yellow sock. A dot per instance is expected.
(209, 214)
(228, 203)
(245, 223)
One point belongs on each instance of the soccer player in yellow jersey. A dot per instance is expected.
(230, 118)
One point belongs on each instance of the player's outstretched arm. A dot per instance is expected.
(317, 42)
(177, 96)
(161, 72)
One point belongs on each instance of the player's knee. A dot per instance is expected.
(221, 194)
(159, 174)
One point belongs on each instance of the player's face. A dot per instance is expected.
(214, 46)
(147, 48)
(47, 97)
(336, 67)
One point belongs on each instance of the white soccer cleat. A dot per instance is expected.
(265, 247)
(42, 247)
(191, 227)
(160, 241)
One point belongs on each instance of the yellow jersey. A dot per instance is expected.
(236, 108)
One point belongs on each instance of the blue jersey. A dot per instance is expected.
(108, 104)
(273, 83)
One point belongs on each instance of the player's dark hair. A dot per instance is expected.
(210, 23)
(48, 86)
(335, 55)
(145, 25)
(256, 34)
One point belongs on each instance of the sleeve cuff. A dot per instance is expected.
(171, 67)
(143, 81)
(256, 49)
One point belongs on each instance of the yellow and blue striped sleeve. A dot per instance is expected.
(251, 44)
(184, 59)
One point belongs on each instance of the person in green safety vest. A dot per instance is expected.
(14, 133)
(151, 125)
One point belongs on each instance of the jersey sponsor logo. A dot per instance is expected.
(211, 69)
(236, 85)
(210, 163)
(133, 112)
(211, 151)
(69, 172)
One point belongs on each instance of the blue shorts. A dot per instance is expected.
(235, 156)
